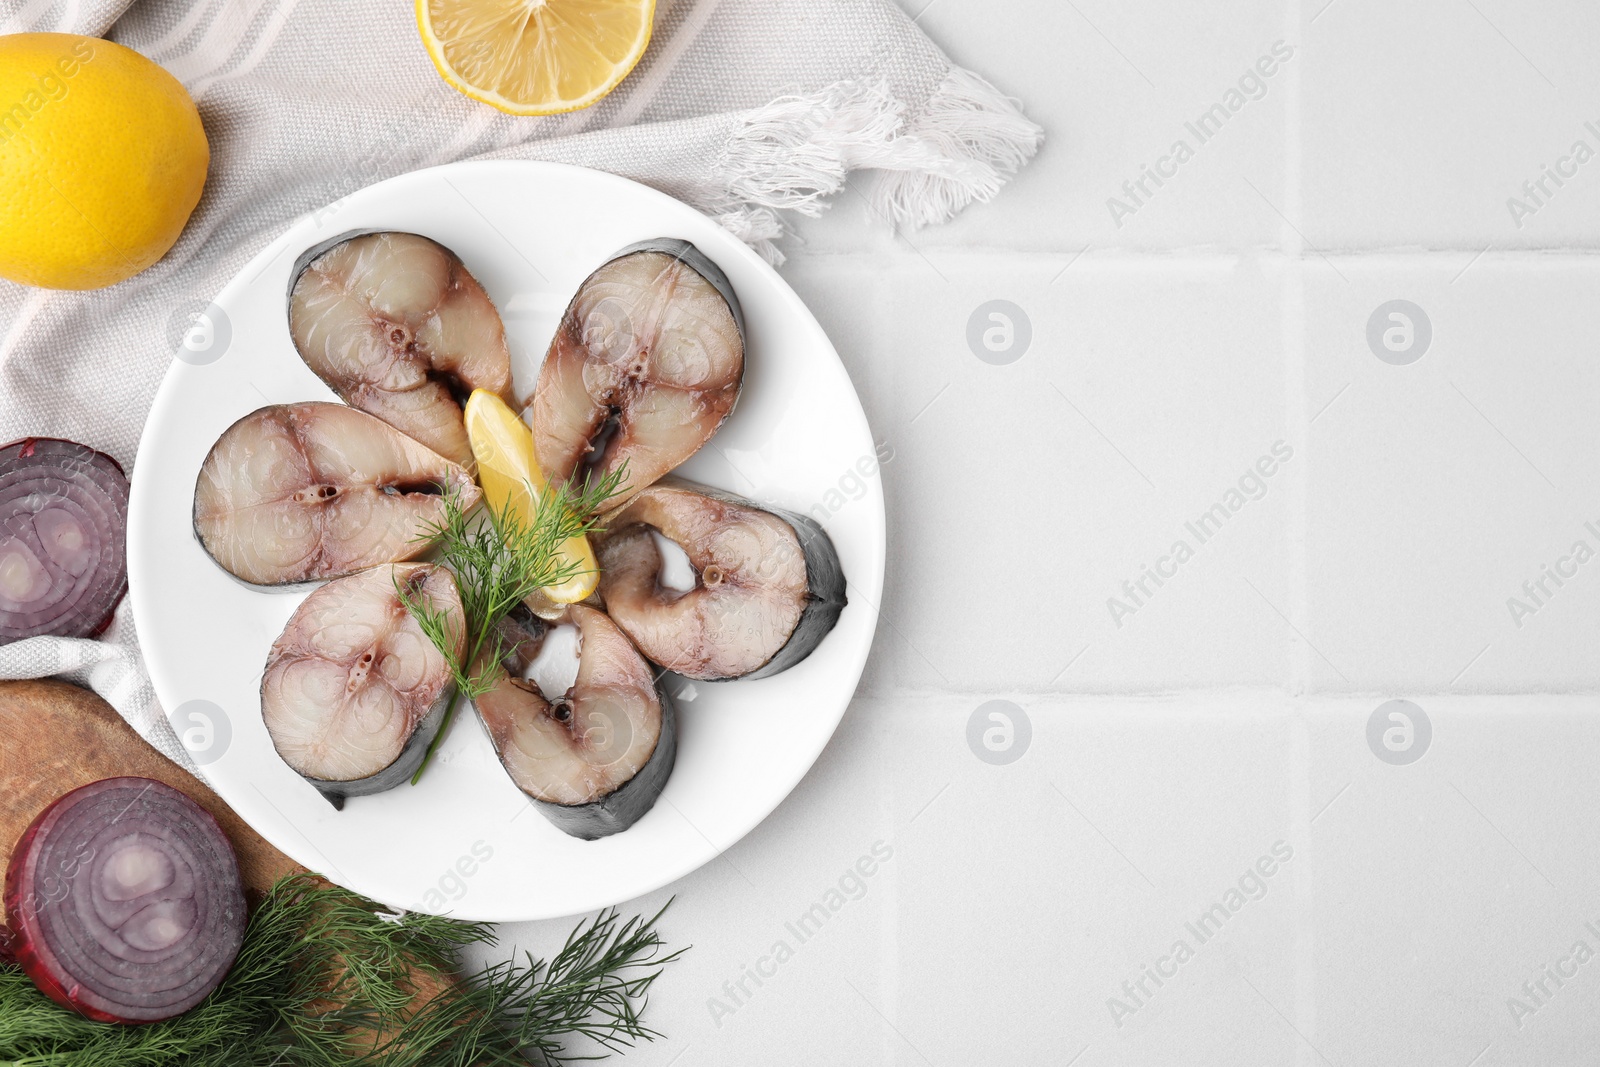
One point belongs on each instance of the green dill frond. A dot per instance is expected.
(499, 560)
(442, 628)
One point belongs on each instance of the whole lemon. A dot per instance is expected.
(102, 160)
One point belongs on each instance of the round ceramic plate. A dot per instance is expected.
(465, 841)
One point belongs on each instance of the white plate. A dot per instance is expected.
(465, 841)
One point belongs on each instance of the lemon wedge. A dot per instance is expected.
(535, 57)
(511, 480)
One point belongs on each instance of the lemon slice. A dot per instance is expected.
(535, 57)
(511, 480)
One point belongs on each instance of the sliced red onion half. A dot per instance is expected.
(124, 901)
(63, 539)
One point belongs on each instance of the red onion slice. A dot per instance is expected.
(124, 901)
(63, 539)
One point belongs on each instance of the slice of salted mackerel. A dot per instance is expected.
(354, 692)
(646, 363)
(398, 327)
(595, 758)
(299, 492)
(768, 583)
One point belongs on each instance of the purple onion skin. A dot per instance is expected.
(68, 882)
(63, 539)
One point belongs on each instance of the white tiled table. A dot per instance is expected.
(1229, 712)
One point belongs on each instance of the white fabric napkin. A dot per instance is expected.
(743, 108)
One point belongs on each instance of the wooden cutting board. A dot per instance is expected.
(55, 736)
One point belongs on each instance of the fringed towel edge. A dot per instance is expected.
(963, 144)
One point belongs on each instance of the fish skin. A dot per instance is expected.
(620, 809)
(827, 600)
(300, 492)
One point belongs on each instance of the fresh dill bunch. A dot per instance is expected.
(594, 988)
(498, 563)
(326, 978)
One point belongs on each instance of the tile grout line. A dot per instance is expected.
(889, 929)
(1304, 948)
(1219, 256)
(1292, 335)
(1299, 424)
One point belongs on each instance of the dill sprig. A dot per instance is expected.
(326, 978)
(594, 988)
(498, 563)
